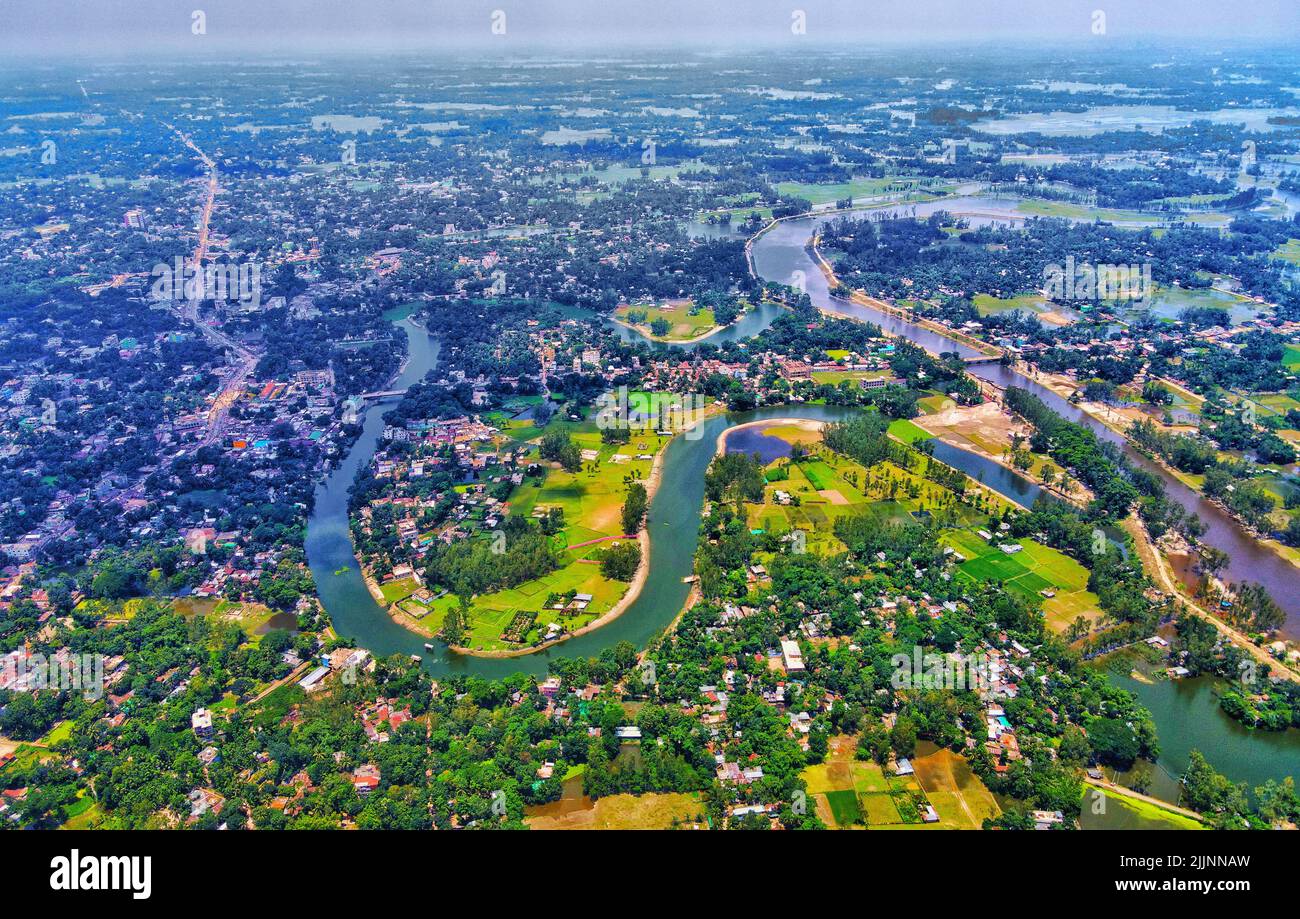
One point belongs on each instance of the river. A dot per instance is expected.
(780, 253)
(673, 523)
(1186, 714)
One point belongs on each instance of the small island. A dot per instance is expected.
(680, 321)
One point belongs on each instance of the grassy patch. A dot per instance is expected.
(908, 432)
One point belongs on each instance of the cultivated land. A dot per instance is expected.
(848, 793)
(1035, 571)
(618, 812)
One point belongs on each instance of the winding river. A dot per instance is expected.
(673, 525)
(674, 517)
(780, 253)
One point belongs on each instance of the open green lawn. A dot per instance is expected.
(399, 589)
(61, 731)
(592, 501)
(684, 324)
(908, 432)
(988, 305)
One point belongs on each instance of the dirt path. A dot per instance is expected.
(293, 675)
(1147, 799)
(1155, 563)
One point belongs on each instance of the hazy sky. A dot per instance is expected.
(145, 27)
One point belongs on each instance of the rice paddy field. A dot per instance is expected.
(849, 793)
(1034, 572)
(618, 812)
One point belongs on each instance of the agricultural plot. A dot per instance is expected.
(823, 494)
(956, 793)
(1035, 572)
(619, 812)
(851, 793)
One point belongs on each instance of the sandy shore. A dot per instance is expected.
(1064, 387)
(408, 622)
(804, 424)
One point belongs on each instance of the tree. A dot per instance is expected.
(620, 562)
(634, 508)
(1211, 793)
(1113, 741)
(902, 737)
(558, 447)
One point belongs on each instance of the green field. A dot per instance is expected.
(988, 305)
(684, 324)
(1289, 251)
(1035, 569)
(1112, 215)
(854, 188)
(908, 432)
(592, 500)
(854, 793)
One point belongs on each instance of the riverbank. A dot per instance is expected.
(1065, 387)
(639, 578)
(1251, 560)
(1155, 563)
(955, 425)
(803, 424)
(1147, 801)
(405, 620)
(858, 297)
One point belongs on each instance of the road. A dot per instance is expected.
(243, 359)
(1156, 565)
